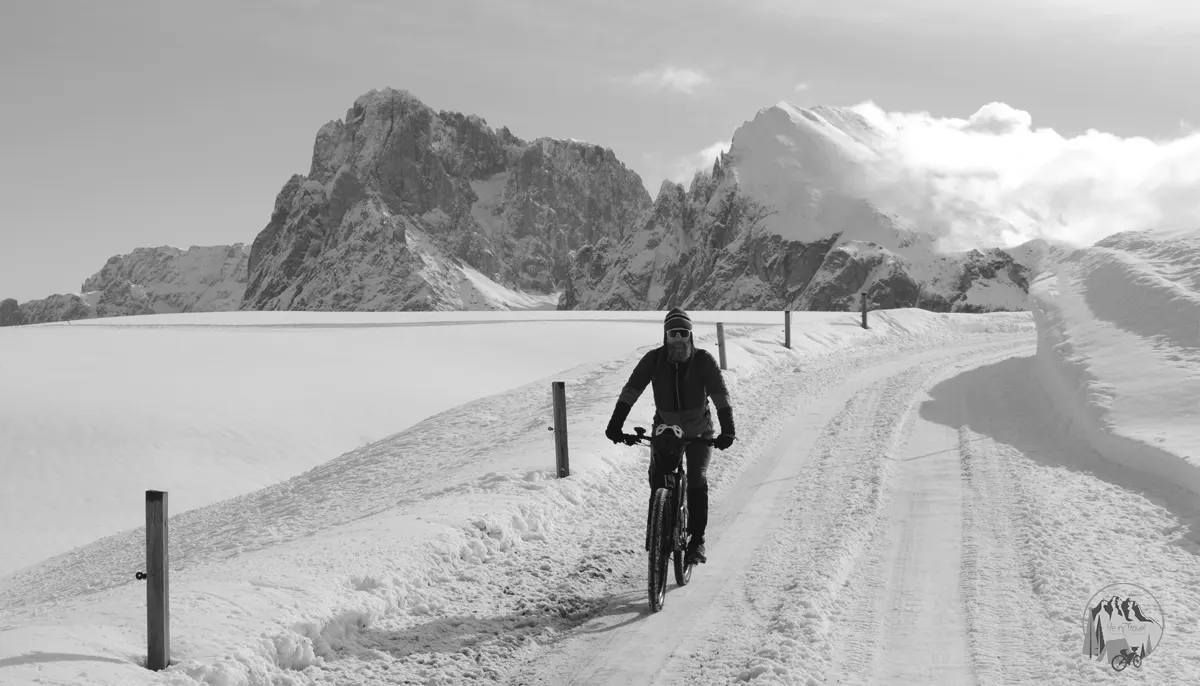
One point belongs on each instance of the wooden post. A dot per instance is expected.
(561, 458)
(787, 329)
(158, 610)
(721, 342)
(864, 310)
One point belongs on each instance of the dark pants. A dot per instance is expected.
(697, 456)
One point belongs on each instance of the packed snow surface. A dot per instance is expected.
(903, 505)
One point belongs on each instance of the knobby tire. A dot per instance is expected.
(683, 570)
(660, 549)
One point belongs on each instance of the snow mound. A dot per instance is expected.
(1119, 349)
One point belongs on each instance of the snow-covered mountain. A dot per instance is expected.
(146, 281)
(405, 208)
(785, 220)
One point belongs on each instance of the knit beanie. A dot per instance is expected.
(677, 319)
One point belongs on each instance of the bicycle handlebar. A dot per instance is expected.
(642, 436)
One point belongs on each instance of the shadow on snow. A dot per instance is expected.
(1027, 422)
(545, 623)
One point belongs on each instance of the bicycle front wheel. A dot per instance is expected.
(660, 550)
(683, 570)
(1118, 662)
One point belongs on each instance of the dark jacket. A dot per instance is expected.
(681, 391)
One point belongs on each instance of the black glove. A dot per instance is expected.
(728, 433)
(617, 423)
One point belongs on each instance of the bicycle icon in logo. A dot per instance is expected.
(1122, 624)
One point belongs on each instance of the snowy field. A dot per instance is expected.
(214, 405)
(930, 501)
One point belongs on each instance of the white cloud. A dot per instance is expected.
(678, 79)
(686, 167)
(801, 87)
(1079, 189)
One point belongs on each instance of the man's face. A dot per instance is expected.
(679, 345)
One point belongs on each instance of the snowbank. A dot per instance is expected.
(413, 526)
(1119, 350)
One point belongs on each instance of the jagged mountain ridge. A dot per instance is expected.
(146, 281)
(405, 208)
(782, 221)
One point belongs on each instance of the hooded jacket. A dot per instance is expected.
(681, 390)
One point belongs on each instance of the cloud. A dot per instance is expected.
(801, 87)
(678, 79)
(946, 173)
(686, 167)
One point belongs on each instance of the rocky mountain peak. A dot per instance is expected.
(405, 207)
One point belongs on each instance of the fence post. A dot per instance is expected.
(864, 310)
(787, 329)
(158, 610)
(561, 458)
(721, 342)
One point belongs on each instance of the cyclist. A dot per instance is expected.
(684, 378)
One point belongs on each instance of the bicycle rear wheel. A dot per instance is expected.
(660, 547)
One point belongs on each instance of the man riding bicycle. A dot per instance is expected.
(684, 378)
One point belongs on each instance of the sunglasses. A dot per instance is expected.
(679, 333)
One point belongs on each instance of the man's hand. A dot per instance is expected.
(725, 415)
(613, 433)
(619, 415)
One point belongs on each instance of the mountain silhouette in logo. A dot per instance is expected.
(1119, 622)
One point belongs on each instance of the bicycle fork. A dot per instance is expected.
(676, 510)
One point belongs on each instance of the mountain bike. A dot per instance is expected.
(1120, 660)
(666, 524)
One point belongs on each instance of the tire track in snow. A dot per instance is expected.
(904, 621)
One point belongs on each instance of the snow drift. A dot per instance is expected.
(1119, 349)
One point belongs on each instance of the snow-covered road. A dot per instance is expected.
(790, 537)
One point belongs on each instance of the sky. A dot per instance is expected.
(134, 123)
